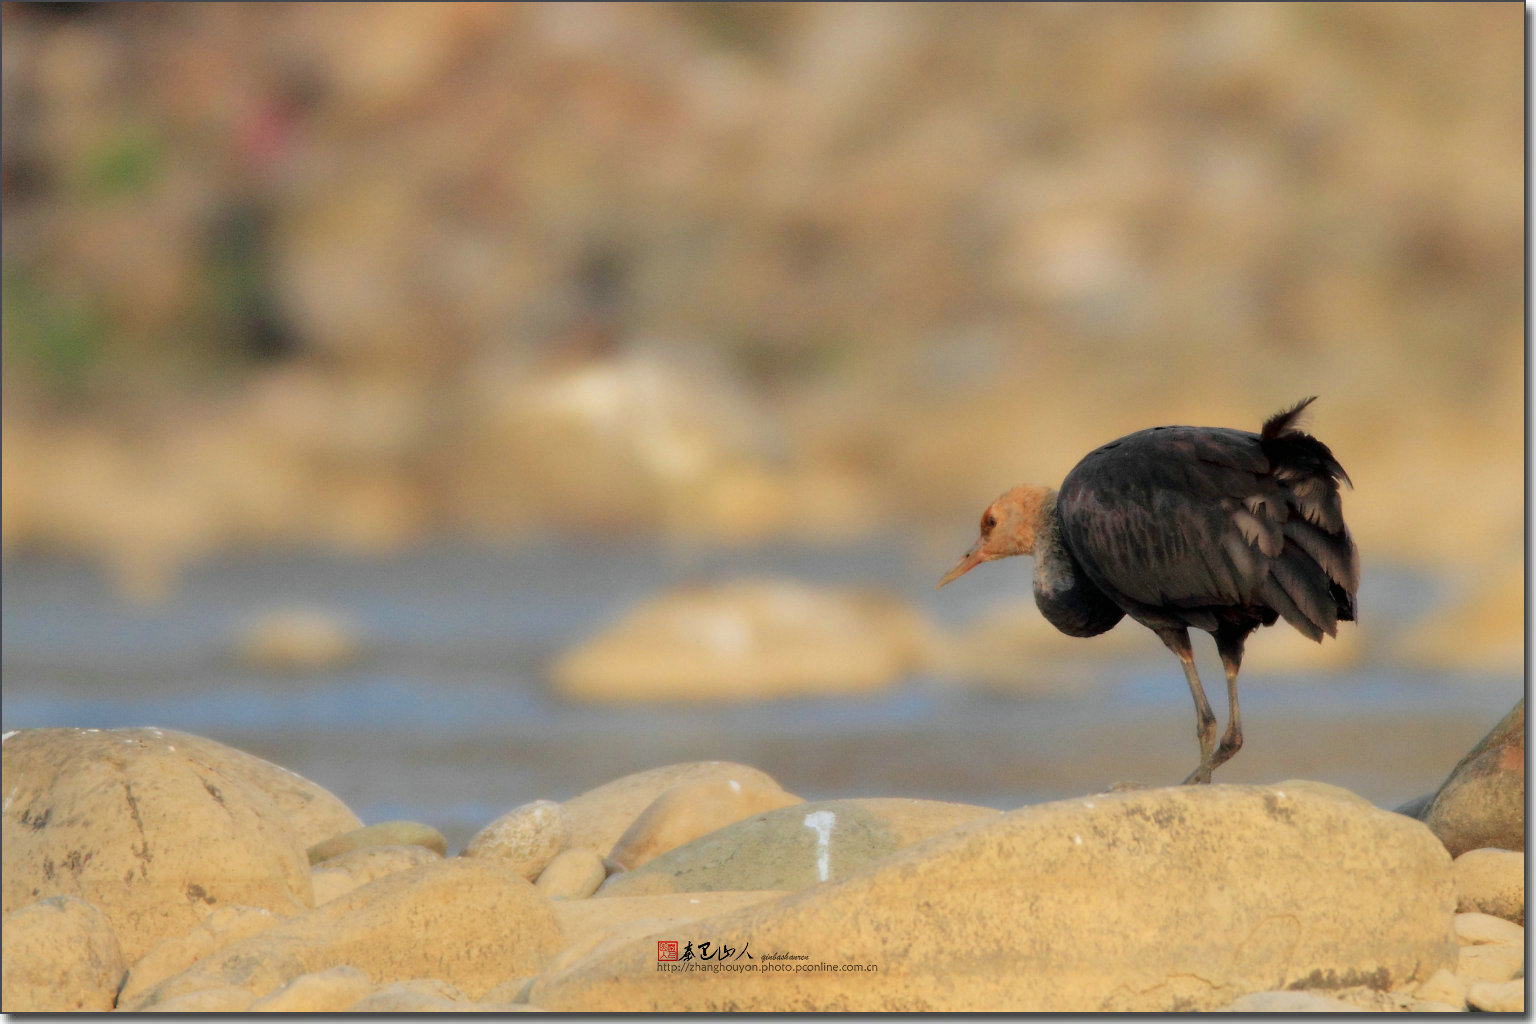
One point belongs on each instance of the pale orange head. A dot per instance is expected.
(1008, 527)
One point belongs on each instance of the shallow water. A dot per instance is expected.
(446, 717)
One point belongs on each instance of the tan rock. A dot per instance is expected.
(414, 995)
(152, 833)
(691, 809)
(600, 816)
(572, 875)
(526, 838)
(1290, 1002)
(176, 954)
(1493, 961)
(205, 1000)
(298, 640)
(794, 847)
(513, 991)
(745, 641)
(388, 833)
(586, 922)
(1444, 987)
(1497, 996)
(59, 955)
(1474, 929)
(1168, 899)
(469, 922)
(1482, 803)
(1491, 882)
(329, 991)
(314, 812)
(341, 874)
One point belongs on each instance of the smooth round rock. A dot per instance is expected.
(1290, 1002)
(691, 809)
(176, 954)
(1491, 882)
(1475, 929)
(1493, 961)
(1444, 987)
(341, 874)
(388, 833)
(1497, 996)
(155, 833)
(1482, 802)
(60, 955)
(525, 839)
(573, 875)
(329, 991)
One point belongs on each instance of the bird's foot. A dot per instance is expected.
(1200, 776)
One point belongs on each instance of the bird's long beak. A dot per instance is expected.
(972, 559)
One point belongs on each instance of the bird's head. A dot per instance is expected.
(1008, 527)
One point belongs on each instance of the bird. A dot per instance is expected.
(1179, 527)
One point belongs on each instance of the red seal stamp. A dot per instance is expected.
(666, 950)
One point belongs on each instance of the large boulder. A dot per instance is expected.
(470, 922)
(1156, 900)
(794, 847)
(1482, 803)
(60, 955)
(601, 815)
(155, 829)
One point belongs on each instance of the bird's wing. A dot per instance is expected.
(1180, 517)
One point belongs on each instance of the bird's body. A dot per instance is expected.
(1177, 527)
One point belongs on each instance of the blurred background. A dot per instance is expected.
(464, 404)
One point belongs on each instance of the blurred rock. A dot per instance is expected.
(387, 833)
(525, 839)
(600, 816)
(1482, 802)
(177, 953)
(794, 847)
(60, 956)
(746, 641)
(298, 640)
(339, 875)
(1491, 882)
(1319, 892)
(691, 809)
(154, 835)
(469, 922)
(572, 875)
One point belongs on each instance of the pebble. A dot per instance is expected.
(341, 874)
(1474, 929)
(525, 839)
(573, 875)
(389, 833)
(1498, 996)
(1491, 881)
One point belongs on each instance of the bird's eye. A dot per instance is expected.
(988, 521)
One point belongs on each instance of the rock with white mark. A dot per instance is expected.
(1491, 882)
(154, 834)
(691, 809)
(329, 991)
(600, 816)
(388, 833)
(60, 955)
(794, 847)
(1497, 996)
(573, 875)
(526, 838)
(341, 874)
(1475, 929)
(176, 954)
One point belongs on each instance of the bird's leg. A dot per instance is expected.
(1177, 640)
(1230, 646)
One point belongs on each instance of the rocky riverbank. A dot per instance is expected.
(151, 870)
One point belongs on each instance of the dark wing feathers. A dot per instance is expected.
(1190, 525)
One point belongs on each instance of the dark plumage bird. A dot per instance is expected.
(1223, 530)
